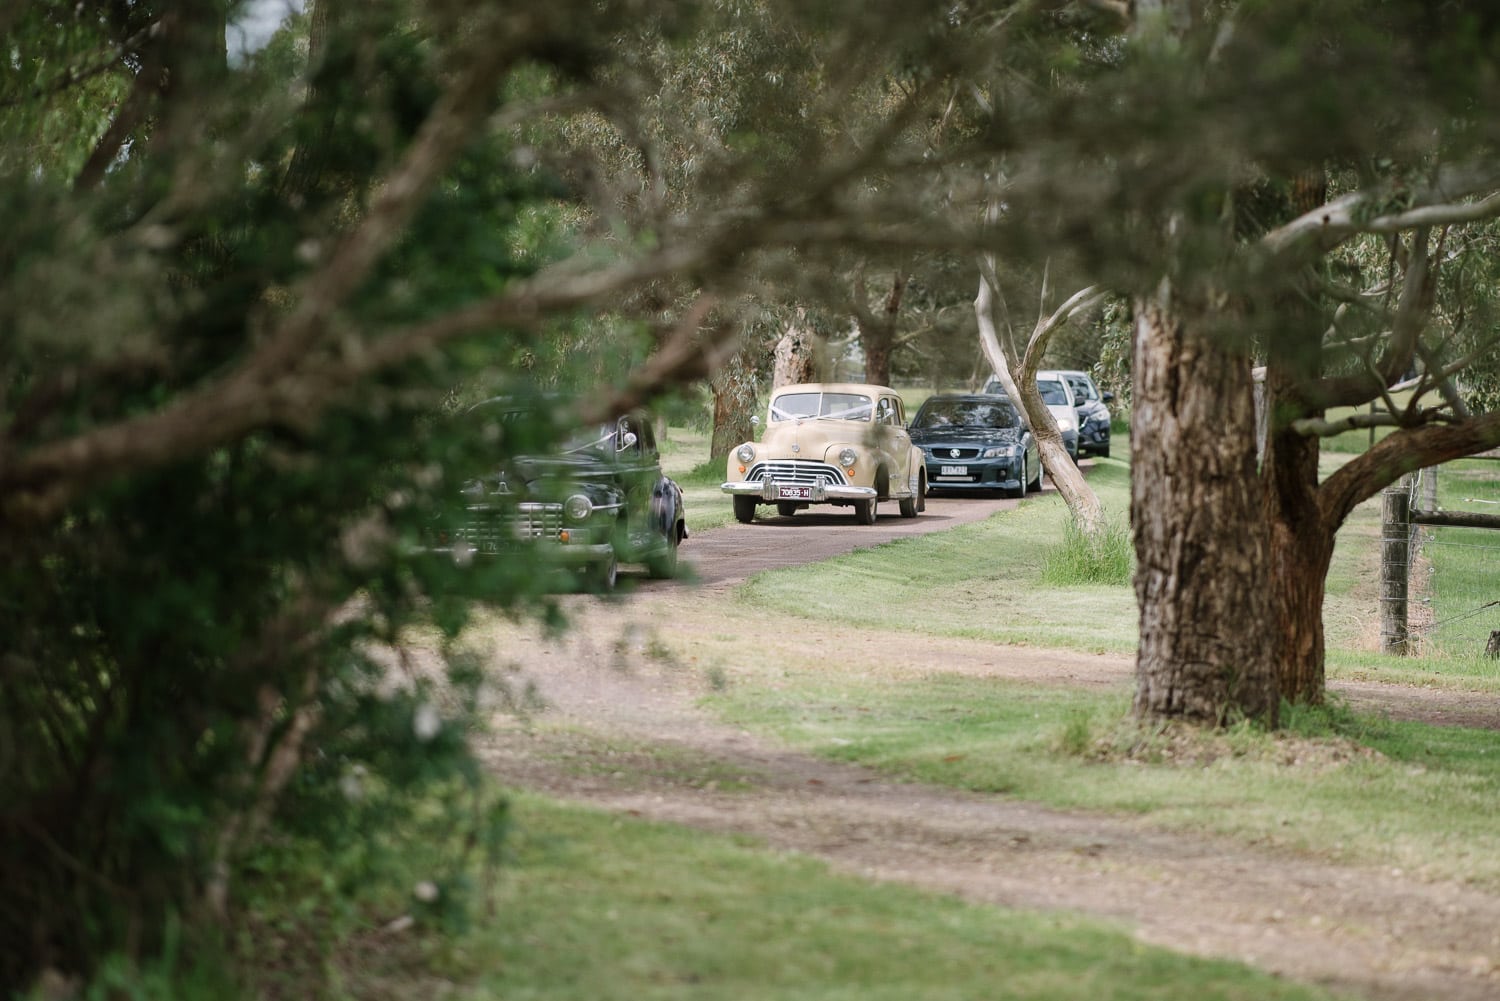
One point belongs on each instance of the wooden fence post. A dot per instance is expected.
(1395, 561)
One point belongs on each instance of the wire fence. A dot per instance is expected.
(1454, 600)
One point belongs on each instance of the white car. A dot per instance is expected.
(1059, 402)
(841, 444)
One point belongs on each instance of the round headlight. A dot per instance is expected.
(578, 507)
(847, 457)
(745, 452)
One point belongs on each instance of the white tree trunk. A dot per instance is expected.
(1018, 376)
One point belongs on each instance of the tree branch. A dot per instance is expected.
(1331, 224)
(1401, 452)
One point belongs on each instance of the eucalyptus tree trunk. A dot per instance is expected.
(1301, 533)
(796, 354)
(877, 331)
(1018, 376)
(1202, 580)
(734, 405)
(1301, 549)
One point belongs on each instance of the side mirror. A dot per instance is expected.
(1107, 397)
(1079, 399)
(754, 421)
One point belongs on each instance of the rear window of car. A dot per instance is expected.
(965, 414)
(836, 406)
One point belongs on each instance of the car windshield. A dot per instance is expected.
(597, 438)
(821, 406)
(1053, 394)
(965, 414)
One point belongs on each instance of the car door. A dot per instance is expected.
(895, 444)
(636, 469)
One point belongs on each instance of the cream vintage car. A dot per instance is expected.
(835, 443)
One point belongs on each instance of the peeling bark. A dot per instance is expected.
(1201, 580)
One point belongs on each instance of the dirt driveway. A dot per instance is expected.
(621, 730)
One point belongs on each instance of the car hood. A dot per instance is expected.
(550, 477)
(966, 436)
(1093, 408)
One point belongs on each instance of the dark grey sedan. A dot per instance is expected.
(976, 443)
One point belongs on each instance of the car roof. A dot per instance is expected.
(968, 397)
(866, 389)
(1059, 373)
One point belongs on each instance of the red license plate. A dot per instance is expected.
(794, 493)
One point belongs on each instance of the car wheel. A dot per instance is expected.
(1022, 480)
(909, 507)
(864, 511)
(1104, 452)
(602, 577)
(922, 491)
(786, 508)
(744, 509)
(664, 564)
(1035, 483)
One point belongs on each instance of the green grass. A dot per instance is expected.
(981, 581)
(593, 907)
(1357, 790)
(1081, 560)
(1462, 581)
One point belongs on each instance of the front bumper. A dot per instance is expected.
(819, 493)
(1093, 440)
(535, 530)
(978, 474)
(560, 554)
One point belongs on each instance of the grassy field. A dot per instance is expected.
(590, 906)
(1456, 582)
(1355, 789)
(598, 908)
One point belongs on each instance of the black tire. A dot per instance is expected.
(1035, 483)
(602, 577)
(864, 511)
(1103, 453)
(909, 507)
(786, 508)
(664, 564)
(922, 491)
(1020, 490)
(744, 509)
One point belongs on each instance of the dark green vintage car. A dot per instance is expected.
(597, 502)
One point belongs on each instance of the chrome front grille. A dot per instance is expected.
(797, 472)
(491, 529)
(944, 453)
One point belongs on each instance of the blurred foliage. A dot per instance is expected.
(199, 670)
